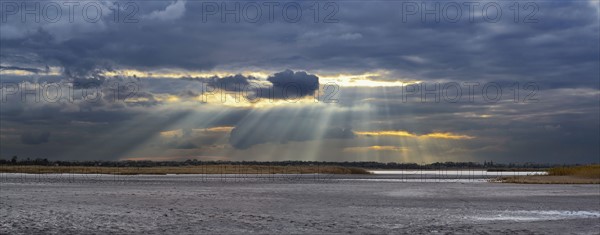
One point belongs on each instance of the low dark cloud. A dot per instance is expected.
(290, 85)
(231, 83)
(16, 68)
(287, 84)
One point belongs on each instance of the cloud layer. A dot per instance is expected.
(180, 67)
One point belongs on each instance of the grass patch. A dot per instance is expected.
(588, 171)
(549, 179)
(202, 169)
(588, 174)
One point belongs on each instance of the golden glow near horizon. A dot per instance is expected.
(228, 100)
(399, 133)
(447, 135)
(172, 133)
(385, 133)
(368, 79)
(219, 129)
(180, 132)
(172, 99)
(376, 148)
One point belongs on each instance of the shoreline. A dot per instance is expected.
(164, 170)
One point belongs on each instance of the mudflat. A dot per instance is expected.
(179, 204)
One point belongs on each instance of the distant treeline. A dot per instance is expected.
(368, 165)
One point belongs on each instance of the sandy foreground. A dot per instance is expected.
(177, 204)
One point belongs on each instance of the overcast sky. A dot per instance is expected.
(402, 81)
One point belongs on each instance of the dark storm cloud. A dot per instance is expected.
(35, 138)
(289, 85)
